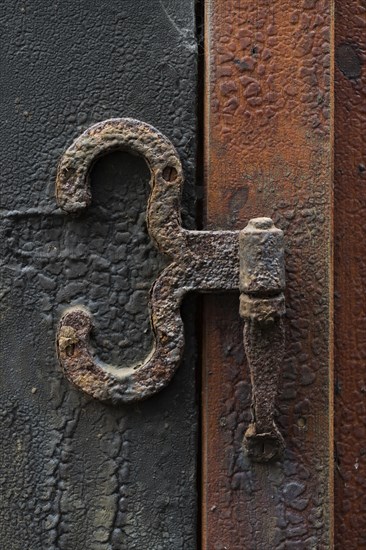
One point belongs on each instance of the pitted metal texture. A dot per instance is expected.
(200, 261)
(262, 305)
(204, 261)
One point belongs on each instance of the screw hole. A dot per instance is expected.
(70, 350)
(170, 173)
(301, 422)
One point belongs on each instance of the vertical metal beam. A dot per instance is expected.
(268, 151)
(350, 274)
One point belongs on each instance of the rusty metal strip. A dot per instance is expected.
(350, 275)
(268, 152)
(262, 306)
(201, 261)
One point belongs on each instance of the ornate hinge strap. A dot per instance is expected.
(200, 261)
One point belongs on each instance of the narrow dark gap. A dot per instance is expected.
(199, 320)
(199, 13)
(199, 7)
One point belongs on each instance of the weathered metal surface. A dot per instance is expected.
(350, 275)
(264, 345)
(262, 306)
(77, 474)
(268, 153)
(262, 271)
(201, 260)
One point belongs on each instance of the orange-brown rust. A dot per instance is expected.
(200, 260)
(262, 305)
(350, 275)
(268, 153)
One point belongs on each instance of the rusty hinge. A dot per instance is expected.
(203, 261)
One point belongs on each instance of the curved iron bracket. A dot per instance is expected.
(201, 261)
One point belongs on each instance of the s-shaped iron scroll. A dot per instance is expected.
(203, 261)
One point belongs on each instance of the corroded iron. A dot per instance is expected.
(349, 275)
(262, 305)
(203, 261)
(268, 150)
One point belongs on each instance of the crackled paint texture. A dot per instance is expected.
(77, 474)
(268, 153)
(199, 261)
(350, 275)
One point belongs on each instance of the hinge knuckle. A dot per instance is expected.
(262, 305)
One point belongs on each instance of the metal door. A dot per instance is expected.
(264, 104)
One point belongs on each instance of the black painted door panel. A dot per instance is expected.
(76, 474)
